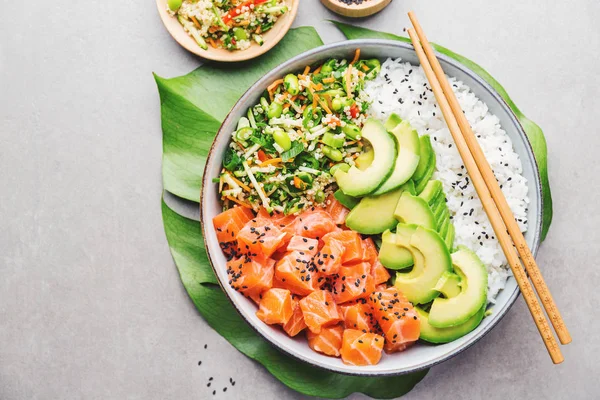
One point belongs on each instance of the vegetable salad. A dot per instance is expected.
(227, 24)
(306, 126)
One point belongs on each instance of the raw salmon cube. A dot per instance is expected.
(328, 341)
(275, 307)
(359, 348)
(319, 310)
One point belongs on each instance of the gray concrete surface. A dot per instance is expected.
(91, 306)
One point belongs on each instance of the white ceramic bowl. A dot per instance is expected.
(419, 356)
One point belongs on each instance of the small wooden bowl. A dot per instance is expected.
(368, 7)
(271, 38)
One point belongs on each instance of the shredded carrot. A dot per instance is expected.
(274, 85)
(195, 22)
(241, 203)
(212, 42)
(306, 70)
(348, 78)
(242, 184)
(258, 30)
(317, 70)
(351, 142)
(294, 98)
(331, 79)
(356, 56)
(364, 67)
(269, 162)
(324, 105)
(303, 107)
(314, 104)
(286, 107)
(300, 97)
(317, 87)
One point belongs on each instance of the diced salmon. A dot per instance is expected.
(396, 317)
(319, 310)
(329, 259)
(370, 253)
(295, 273)
(337, 211)
(296, 323)
(353, 282)
(328, 341)
(260, 236)
(358, 316)
(314, 224)
(275, 306)
(379, 272)
(352, 243)
(230, 222)
(300, 243)
(359, 348)
(250, 277)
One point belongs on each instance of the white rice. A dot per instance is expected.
(403, 89)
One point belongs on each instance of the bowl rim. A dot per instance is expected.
(182, 38)
(357, 43)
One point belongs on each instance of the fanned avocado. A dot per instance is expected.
(374, 214)
(426, 152)
(432, 334)
(437, 208)
(409, 187)
(414, 210)
(345, 200)
(447, 312)
(407, 141)
(431, 260)
(443, 231)
(391, 255)
(431, 191)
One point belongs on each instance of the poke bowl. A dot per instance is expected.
(396, 105)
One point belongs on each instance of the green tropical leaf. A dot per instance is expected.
(187, 247)
(194, 105)
(533, 131)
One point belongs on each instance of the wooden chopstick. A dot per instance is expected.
(494, 188)
(489, 207)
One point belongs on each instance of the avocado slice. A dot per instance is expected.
(431, 191)
(432, 334)
(359, 183)
(437, 208)
(407, 141)
(431, 260)
(414, 210)
(420, 185)
(374, 214)
(345, 200)
(365, 159)
(409, 187)
(446, 312)
(449, 237)
(443, 231)
(392, 121)
(426, 151)
(449, 284)
(391, 255)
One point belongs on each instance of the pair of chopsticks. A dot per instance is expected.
(494, 203)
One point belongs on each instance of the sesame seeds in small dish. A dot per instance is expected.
(228, 30)
(356, 8)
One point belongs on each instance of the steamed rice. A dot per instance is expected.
(403, 89)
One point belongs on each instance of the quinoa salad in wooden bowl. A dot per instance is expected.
(228, 30)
